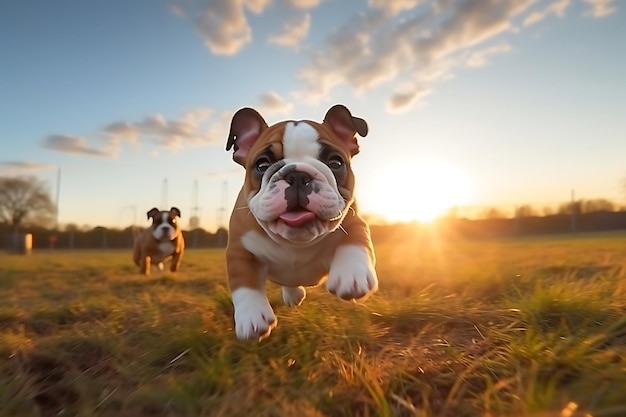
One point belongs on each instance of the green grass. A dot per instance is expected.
(528, 327)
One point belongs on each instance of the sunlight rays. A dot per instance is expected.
(419, 190)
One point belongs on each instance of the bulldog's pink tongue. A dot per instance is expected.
(297, 218)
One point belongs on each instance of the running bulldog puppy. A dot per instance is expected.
(295, 220)
(162, 241)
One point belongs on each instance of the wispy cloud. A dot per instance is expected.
(75, 145)
(176, 9)
(199, 126)
(21, 167)
(304, 4)
(601, 8)
(159, 129)
(556, 8)
(192, 128)
(409, 44)
(293, 32)
(480, 58)
(225, 29)
(419, 47)
(392, 8)
(405, 98)
(272, 103)
(223, 24)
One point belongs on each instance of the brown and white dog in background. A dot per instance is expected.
(160, 242)
(295, 219)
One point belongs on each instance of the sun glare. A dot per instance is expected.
(421, 190)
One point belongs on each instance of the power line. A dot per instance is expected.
(194, 219)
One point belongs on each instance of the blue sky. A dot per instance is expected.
(472, 103)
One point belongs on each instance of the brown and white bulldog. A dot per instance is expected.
(160, 242)
(295, 218)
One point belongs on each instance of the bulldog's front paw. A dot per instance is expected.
(352, 275)
(254, 317)
(293, 296)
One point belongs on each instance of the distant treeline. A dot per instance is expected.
(573, 222)
(535, 225)
(599, 221)
(104, 238)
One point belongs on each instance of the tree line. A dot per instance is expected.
(27, 207)
(526, 210)
(101, 238)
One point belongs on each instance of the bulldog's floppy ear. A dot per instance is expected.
(346, 126)
(245, 128)
(153, 212)
(175, 211)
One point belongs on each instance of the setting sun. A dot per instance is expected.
(421, 190)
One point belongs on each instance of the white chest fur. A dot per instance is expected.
(292, 266)
(166, 248)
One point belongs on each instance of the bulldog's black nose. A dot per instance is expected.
(298, 178)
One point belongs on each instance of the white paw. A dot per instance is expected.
(254, 317)
(293, 296)
(352, 275)
(160, 266)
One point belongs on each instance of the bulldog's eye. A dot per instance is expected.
(335, 162)
(262, 164)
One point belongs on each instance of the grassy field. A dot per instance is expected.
(528, 327)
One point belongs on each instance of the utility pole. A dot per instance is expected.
(164, 195)
(56, 209)
(221, 212)
(221, 215)
(194, 207)
(194, 219)
(573, 225)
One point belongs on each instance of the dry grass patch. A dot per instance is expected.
(531, 327)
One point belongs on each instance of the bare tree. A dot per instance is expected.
(23, 200)
(194, 222)
(587, 206)
(491, 213)
(525, 211)
(598, 204)
(573, 207)
(72, 227)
